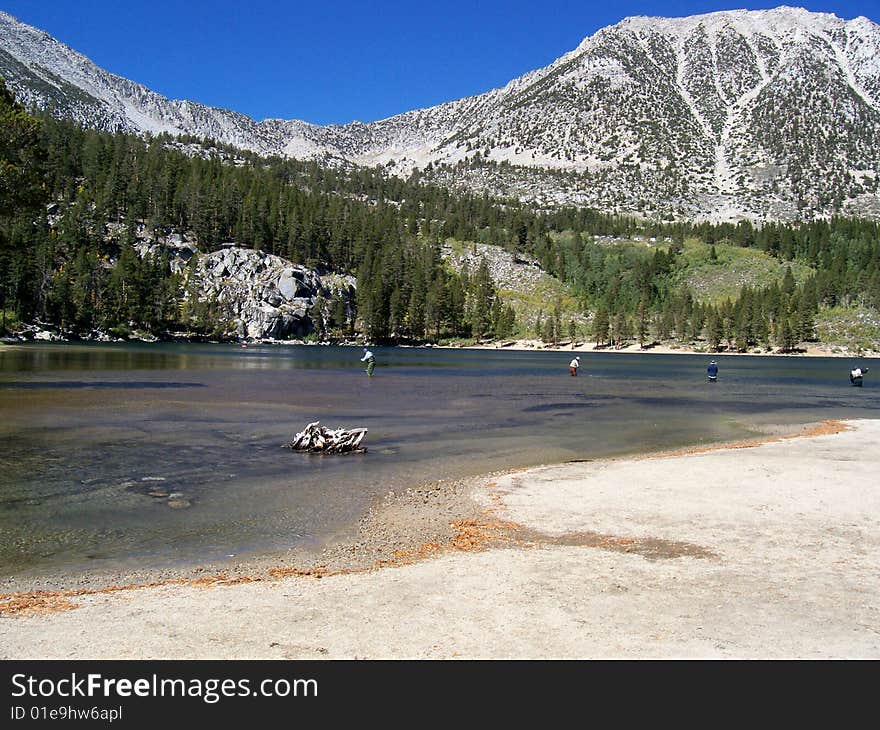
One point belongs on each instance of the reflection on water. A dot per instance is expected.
(167, 454)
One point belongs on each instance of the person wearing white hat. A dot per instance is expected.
(573, 366)
(712, 371)
(370, 359)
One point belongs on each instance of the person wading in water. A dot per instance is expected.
(370, 360)
(712, 371)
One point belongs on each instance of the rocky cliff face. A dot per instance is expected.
(264, 296)
(179, 249)
(259, 296)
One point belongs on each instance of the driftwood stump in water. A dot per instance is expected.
(316, 438)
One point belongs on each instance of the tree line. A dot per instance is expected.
(72, 200)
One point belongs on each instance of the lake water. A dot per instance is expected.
(87, 431)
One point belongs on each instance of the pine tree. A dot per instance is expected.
(557, 323)
(318, 316)
(714, 331)
(805, 328)
(620, 329)
(505, 321)
(436, 307)
(785, 338)
(643, 324)
(788, 282)
(385, 229)
(601, 325)
(761, 329)
(482, 296)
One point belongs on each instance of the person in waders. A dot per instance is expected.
(370, 360)
(573, 366)
(856, 375)
(712, 371)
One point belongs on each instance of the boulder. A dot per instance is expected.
(290, 286)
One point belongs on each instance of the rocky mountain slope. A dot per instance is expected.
(521, 282)
(761, 114)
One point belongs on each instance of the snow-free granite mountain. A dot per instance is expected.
(768, 115)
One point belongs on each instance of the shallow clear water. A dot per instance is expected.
(86, 431)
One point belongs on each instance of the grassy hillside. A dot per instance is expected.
(734, 267)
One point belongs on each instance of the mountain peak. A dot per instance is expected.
(760, 114)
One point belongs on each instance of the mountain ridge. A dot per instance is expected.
(765, 115)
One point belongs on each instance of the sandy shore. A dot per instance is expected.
(635, 348)
(766, 551)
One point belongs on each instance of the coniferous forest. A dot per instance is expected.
(71, 200)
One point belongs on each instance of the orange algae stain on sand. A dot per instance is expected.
(34, 603)
(41, 602)
(474, 535)
(470, 535)
(826, 428)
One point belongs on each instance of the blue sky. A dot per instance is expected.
(333, 62)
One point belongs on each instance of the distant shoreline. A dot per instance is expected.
(524, 345)
(536, 345)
